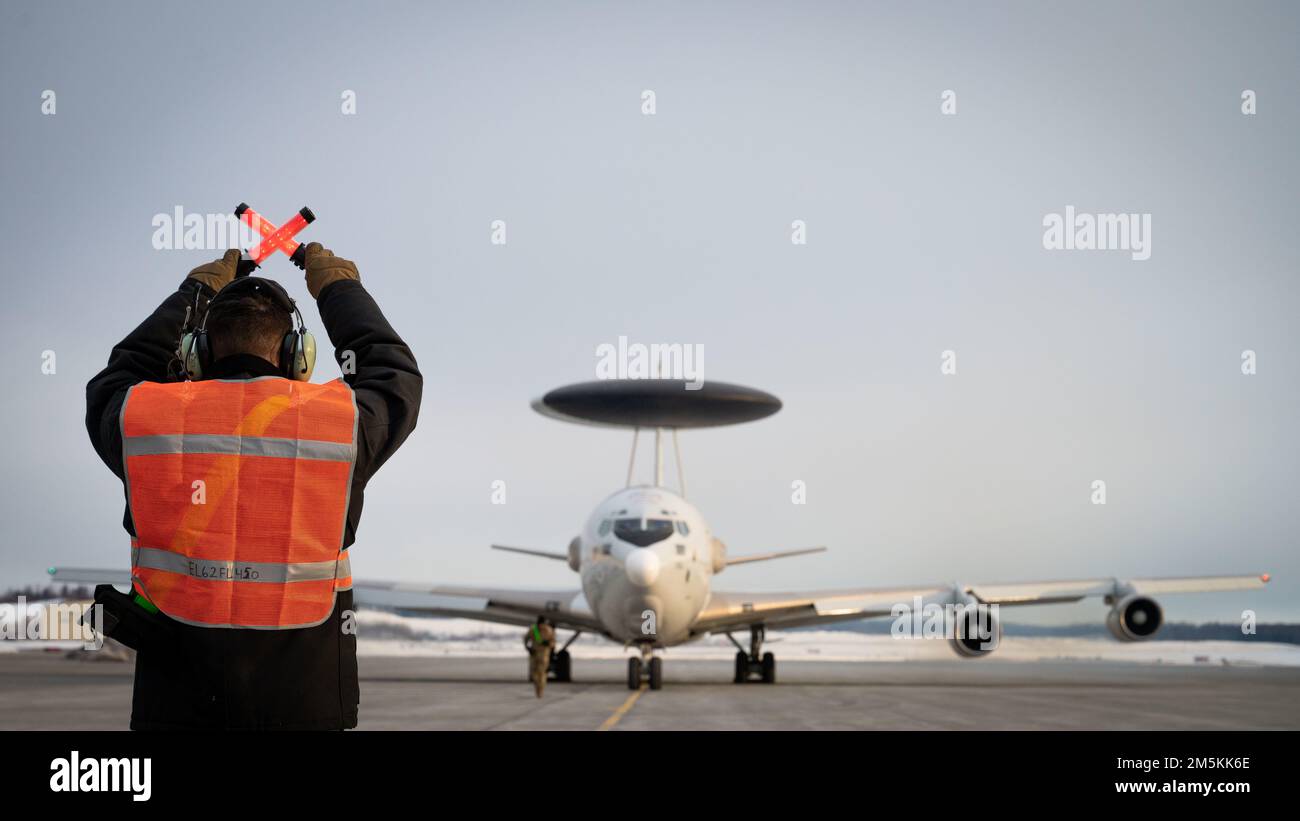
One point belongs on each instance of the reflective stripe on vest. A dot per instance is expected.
(239, 491)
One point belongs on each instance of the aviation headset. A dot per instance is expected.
(297, 349)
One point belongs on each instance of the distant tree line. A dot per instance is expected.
(1176, 631)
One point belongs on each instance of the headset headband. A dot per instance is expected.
(253, 285)
(297, 348)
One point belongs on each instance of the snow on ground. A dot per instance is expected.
(389, 634)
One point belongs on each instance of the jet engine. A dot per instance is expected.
(1135, 618)
(719, 556)
(977, 631)
(575, 554)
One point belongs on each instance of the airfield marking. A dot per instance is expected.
(621, 711)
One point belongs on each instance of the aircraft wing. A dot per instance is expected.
(779, 554)
(565, 608)
(736, 610)
(728, 611)
(91, 575)
(1072, 591)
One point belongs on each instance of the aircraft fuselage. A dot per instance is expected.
(646, 557)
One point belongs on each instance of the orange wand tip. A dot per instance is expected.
(1264, 577)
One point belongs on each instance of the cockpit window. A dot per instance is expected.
(604, 527)
(683, 529)
(643, 532)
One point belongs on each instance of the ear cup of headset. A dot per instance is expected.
(194, 353)
(298, 355)
(308, 354)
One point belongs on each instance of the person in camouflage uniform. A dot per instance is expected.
(540, 639)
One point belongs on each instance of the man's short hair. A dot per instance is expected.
(250, 323)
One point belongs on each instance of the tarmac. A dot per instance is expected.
(46, 691)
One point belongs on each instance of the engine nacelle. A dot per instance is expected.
(1135, 618)
(719, 556)
(977, 631)
(575, 554)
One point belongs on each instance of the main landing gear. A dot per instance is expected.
(752, 664)
(561, 666)
(651, 669)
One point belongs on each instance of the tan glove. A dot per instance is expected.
(218, 273)
(323, 268)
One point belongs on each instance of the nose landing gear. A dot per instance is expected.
(651, 669)
(754, 663)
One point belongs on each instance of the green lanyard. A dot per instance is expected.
(537, 634)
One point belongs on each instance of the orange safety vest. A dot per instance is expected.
(260, 543)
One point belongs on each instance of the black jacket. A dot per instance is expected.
(255, 679)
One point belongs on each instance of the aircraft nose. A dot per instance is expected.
(642, 567)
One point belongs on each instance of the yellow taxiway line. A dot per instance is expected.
(621, 711)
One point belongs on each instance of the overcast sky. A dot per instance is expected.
(924, 234)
